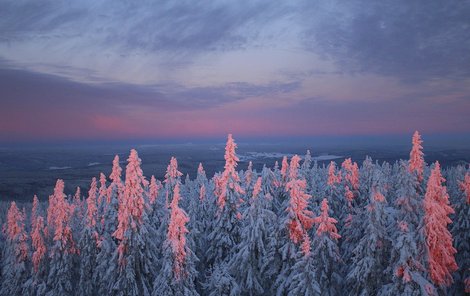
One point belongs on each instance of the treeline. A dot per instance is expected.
(295, 229)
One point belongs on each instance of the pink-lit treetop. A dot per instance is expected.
(417, 156)
(202, 192)
(438, 238)
(177, 234)
(351, 173)
(132, 205)
(306, 245)
(115, 175)
(77, 197)
(102, 193)
(465, 187)
(153, 189)
(249, 173)
(172, 172)
(229, 178)
(257, 188)
(15, 231)
(231, 159)
(284, 168)
(77, 203)
(116, 183)
(326, 224)
(300, 218)
(38, 243)
(52, 209)
(349, 195)
(294, 167)
(92, 210)
(200, 169)
(378, 196)
(61, 220)
(333, 178)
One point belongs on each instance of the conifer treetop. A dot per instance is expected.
(326, 224)
(417, 156)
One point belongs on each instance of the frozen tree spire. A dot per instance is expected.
(300, 218)
(177, 234)
(77, 196)
(465, 187)
(102, 193)
(59, 215)
(52, 209)
(200, 169)
(153, 190)
(131, 207)
(15, 231)
(115, 175)
(306, 245)
(257, 188)
(351, 173)
(249, 174)
(325, 251)
(202, 192)
(14, 272)
(326, 224)
(229, 178)
(134, 263)
(438, 238)
(284, 168)
(177, 273)
(172, 172)
(39, 246)
(225, 233)
(417, 156)
(332, 177)
(92, 210)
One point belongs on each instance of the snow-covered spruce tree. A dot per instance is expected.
(178, 273)
(36, 284)
(77, 214)
(353, 212)
(220, 282)
(89, 243)
(160, 210)
(154, 189)
(202, 211)
(225, 233)
(252, 257)
(351, 173)
(296, 221)
(407, 261)
(366, 274)
(302, 279)
(62, 271)
(417, 157)
(248, 179)
(132, 270)
(326, 253)
(334, 194)
(440, 251)
(461, 233)
(108, 245)
(15, 266)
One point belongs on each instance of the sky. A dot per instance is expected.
(115, 70)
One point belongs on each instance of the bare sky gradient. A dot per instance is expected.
(102, 69)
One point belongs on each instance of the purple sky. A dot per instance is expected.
(111, 70)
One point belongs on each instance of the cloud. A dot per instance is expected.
(411, 40)
(35, 104)
(181, 26)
